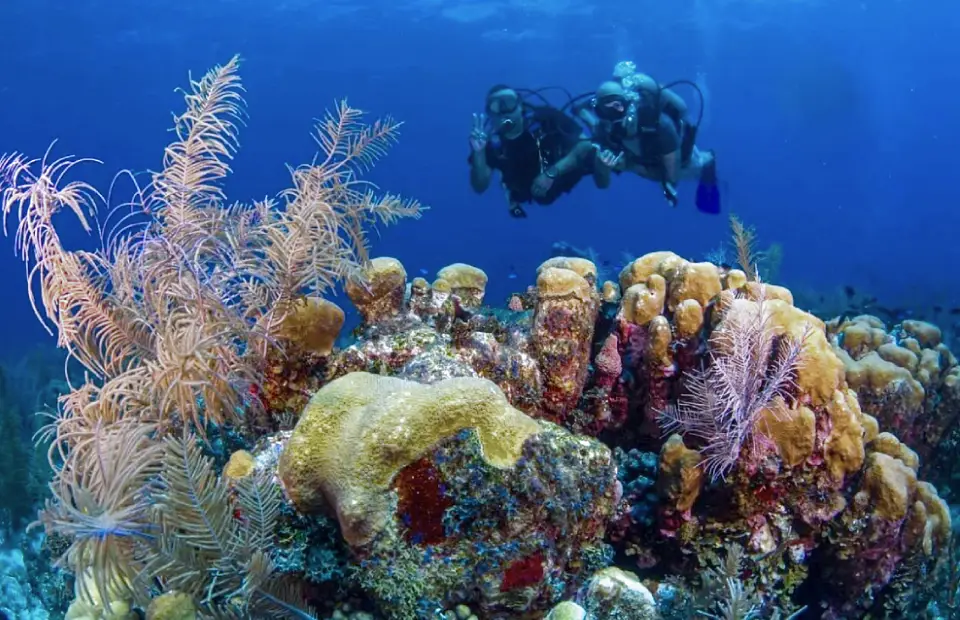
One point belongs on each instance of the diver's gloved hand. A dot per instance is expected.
(478, 136)
(608, 158)
(517, 211)
(670, 193)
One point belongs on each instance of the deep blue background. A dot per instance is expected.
(835, 123)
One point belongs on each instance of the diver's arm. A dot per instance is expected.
(480, 171)
(576, 158)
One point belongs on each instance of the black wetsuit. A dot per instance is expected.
(656, 137)
(521, 160)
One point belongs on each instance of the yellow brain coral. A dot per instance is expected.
(360, 430)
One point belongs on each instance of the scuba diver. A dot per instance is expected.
(641, 126)
(540, 151)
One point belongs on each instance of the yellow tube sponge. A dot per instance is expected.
(734, 279)
(769, 291)
(610, 292)
(688, 319)
(642, 268)
(586, 269)
(562, 333)
(360, 430)
(313, 324)
(697, 281)
(643, 301)
(467, 282)
(843, 451)
(680, 478)
(379, 295)
(927, 334)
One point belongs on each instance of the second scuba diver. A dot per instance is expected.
(642, 127)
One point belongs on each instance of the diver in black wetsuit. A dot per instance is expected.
(540, 151)
(643, 128)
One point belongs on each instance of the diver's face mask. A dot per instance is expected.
(505, 112)
(610, 108)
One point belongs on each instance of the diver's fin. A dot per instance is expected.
(708, 199)
(708, 191)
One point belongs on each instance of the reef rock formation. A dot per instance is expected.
(761, 457)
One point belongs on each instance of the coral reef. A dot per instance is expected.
(811, 488)
(909, 381)
(682, 441)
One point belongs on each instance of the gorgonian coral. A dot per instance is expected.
(176, 314)
(750, 371)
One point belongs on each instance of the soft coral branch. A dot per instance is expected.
(750, 371)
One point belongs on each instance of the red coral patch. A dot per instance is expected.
(422, 502)
(523, 573)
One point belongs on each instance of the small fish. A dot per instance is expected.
(513, 273)
(937, 309)
(849, 290)
(897, 313)
(954, 311)
(423, 272)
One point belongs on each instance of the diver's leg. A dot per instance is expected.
(698, 161)
(708, 187)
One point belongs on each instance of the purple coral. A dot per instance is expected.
(751, 370)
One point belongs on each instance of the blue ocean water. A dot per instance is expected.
(835, 123)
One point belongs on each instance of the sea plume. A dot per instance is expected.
(750, 371)
(174, 318)
(99, 502)
(179, 313)
(744, 242)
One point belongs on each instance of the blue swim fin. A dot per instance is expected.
(708, 191)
